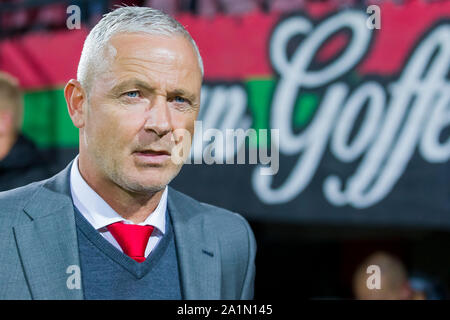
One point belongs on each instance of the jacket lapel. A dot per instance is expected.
(198, 252)
(48, 243)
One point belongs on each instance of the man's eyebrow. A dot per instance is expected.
(137, 83)
(126, 84)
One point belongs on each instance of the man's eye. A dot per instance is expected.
(132, 94)
(179, 99)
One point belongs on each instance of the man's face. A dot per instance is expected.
(150, 88)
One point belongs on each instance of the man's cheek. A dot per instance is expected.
(186, 124)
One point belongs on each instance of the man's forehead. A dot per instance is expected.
(156, 52)
(160, 46)
(154, 59)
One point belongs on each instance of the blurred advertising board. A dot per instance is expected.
(361, 112)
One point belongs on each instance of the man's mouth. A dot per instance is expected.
(152, 156)
(153, 152)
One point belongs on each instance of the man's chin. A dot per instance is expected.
(148, 182)
(145, 188)
(147, 179)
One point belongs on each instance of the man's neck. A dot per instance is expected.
(132, 206)
(6, 144)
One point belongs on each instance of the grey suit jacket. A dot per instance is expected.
(38, 245)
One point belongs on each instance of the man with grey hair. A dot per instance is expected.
(109, 226)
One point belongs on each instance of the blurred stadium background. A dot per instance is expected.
(355, 187)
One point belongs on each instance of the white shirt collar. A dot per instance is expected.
(99, 214)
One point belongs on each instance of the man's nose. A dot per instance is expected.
(158, 117)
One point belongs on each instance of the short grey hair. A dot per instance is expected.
(126, 20)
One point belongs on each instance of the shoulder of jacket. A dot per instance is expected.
(217, 217)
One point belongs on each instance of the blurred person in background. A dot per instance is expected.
(20, 161)
(394, 283)
(426, 287)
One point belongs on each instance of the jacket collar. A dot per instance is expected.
(197, 248)
(48, 244)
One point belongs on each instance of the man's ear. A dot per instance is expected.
(76, 99)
